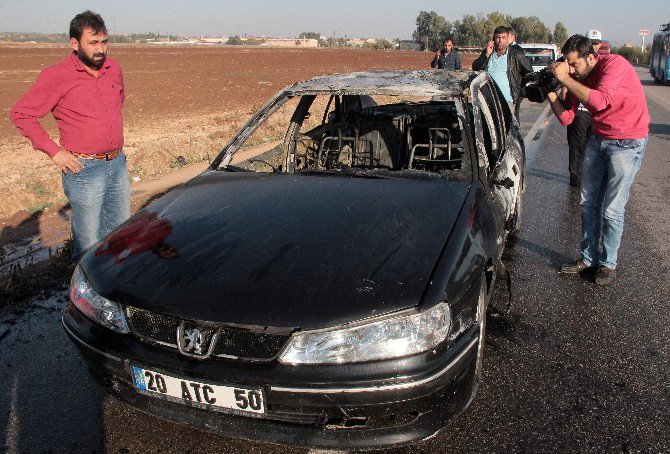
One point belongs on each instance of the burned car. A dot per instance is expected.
(324, 283)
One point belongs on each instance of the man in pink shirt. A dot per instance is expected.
(85, 94)
(610, 89)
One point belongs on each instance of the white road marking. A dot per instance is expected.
(322, 451)
(531, 143)
(541, 120)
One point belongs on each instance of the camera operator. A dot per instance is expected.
(580, 130)
(610, 89)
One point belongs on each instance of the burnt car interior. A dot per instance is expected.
(407, 135)
(354, 132)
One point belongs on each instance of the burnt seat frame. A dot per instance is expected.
(435, 143)
(346, 135)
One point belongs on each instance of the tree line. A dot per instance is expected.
(471, 31)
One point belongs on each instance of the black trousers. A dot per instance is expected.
(579, 132)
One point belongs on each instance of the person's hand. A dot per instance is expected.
(562, 92)
(489, 48)
(67, 161)
(437, 54)
(552, 96)
(560, 70)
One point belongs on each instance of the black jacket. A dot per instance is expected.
(518, 67)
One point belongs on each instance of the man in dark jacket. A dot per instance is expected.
(506, 65)
(447, 57)
(511, 33)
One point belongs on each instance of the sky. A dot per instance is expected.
(619, 21)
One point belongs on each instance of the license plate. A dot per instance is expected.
(227, 399)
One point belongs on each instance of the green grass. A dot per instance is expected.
(29, 278)
(39, 206)
(45, 197)
(39, 190)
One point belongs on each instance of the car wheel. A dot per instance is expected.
(481, 321)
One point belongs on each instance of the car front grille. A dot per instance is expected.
(235, 342)
(155, 327)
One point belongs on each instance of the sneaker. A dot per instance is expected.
(605, 275)
(575, 267)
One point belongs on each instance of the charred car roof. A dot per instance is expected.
(415, 83)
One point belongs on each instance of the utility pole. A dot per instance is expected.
(643, 33)
(114, 29)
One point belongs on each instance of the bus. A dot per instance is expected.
(659, 60)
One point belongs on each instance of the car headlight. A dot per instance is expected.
(384, 339)
(99, 309)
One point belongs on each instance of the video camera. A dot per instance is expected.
(542, 82)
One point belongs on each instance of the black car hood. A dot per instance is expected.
(279, 250)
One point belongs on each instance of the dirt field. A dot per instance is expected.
(180, 101)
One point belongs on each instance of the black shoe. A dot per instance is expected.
(576, 184)
(605, 275)
(575, 267)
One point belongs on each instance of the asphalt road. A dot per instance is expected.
(574, 367)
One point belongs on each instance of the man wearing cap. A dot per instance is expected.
(609, 88)
(85, 94)
(580, 129)
(596, 38)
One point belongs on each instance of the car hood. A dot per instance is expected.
(278, 249)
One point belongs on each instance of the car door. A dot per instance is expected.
(499, 148)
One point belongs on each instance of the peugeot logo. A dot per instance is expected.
(196, 340)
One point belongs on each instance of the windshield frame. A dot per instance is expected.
(225, 157)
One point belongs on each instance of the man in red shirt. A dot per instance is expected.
(580, 130)
(611, 91)
(85, 94)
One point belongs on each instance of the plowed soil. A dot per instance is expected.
(180, 101)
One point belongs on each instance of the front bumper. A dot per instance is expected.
(361, 406)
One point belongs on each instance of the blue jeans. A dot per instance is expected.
(607, 175)
(100, 199)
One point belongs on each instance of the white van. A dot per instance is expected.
(540, 55)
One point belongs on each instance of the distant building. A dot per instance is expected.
(216, 40)
(360, 42)
(408, 44)
(292, 42)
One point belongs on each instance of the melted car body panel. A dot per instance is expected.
(499, 149)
